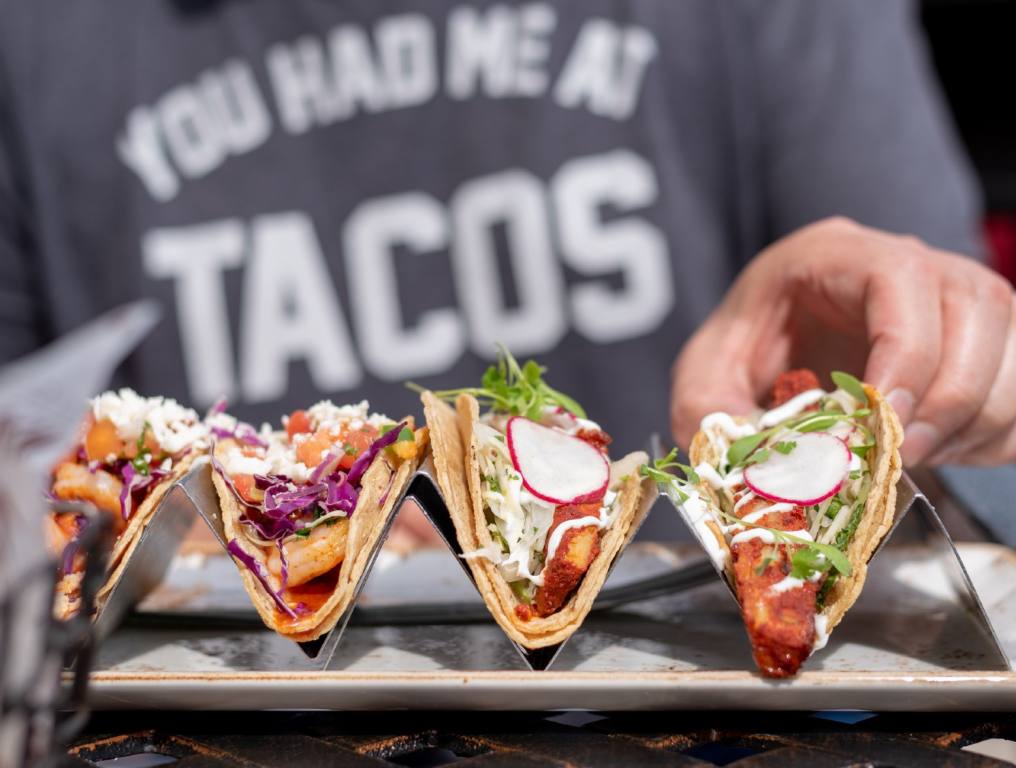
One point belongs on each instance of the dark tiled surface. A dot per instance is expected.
(486, 740)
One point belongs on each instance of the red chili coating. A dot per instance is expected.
(577, 550)
(780, 625)
(790, 384)
(595, 437)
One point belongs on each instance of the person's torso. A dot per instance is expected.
(331, 198)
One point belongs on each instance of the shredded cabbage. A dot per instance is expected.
(518, 521)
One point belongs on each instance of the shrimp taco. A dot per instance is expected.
(539, 511)
(791, 505)
(131, 450)
(303, 507)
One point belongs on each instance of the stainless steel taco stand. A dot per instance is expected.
(425, 492)
(203, 498)
(147, 563)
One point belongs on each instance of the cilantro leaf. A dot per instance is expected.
(785, 446)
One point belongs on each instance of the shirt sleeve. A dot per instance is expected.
(850, 121)
(20, 304)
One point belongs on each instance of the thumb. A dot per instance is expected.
(712, 373)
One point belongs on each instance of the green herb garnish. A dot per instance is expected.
(861, 450)
(493, 484)
(785, 446)
(660, 471)
(850, 385)
(141, 464)
(510, 388)
(406, 436)
(349, 449)
(740, 449)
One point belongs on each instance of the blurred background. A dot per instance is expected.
(971, 44)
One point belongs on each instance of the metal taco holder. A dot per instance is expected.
(148, 563)
(425, 492)
(936, 538)
(201, 494)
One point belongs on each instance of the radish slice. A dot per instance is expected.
(812, 472)
(554, 466)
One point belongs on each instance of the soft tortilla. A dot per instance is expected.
(458, 475)
(879, 510)
(69, 586)
(380, 489)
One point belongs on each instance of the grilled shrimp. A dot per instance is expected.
(73, 482)
(312, 555)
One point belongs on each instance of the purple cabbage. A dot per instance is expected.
(273, 519)
(366, 458)
(242, 432)
(134, 481)
(258, 570)
(219, 406)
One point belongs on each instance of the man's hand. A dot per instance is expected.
(933, 330)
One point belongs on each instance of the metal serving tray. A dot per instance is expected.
(908, 644)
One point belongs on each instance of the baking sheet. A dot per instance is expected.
(907, 644)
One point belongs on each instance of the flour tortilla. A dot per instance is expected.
(381, 487)
(879, 510)
(458, 475)
(68, 588)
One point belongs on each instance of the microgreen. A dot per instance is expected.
(510, 388)
(740, 449)
(850, 385)
(785, 446)
(659, 469)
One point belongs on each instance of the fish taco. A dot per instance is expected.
(304, 507)
(791, 505)
(540, 512)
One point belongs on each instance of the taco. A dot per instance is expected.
(304, 507)
(131, 450)
(539, 511)
(792, 504)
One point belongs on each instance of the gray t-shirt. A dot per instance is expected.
(332, 197)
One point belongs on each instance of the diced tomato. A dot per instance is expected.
(102, 440)
(246, 488)
(299, 422)
(350, 444)
(358, 440)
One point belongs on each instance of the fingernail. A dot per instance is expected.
(902, 402)
(919, 440)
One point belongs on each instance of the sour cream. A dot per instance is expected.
(791, 408)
